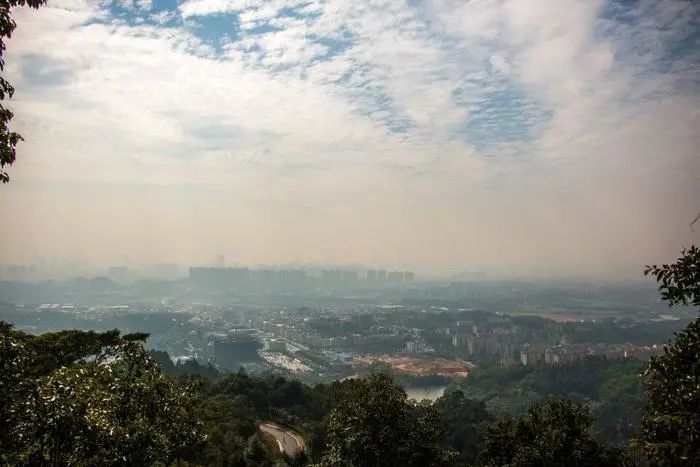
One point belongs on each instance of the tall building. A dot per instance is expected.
(395, 277)
(530, 354)
(231, 351)
(414, 347)
(331, 277)
(349, 277)
(219, 277)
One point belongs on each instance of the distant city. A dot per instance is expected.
(279, 279)
(211, 275)
(326, 324)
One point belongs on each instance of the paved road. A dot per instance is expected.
(288, 442)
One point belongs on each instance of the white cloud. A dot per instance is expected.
(361, 109)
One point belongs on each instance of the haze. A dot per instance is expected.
(522, 138)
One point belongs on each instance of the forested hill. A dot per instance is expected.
(612, 389)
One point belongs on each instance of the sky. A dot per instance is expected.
(512, 137)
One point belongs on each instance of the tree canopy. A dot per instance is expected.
(553, 433)
(85, 398)
(8, 138)
(374, 424)
(670, 426)
(679, 283)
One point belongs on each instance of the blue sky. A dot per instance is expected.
(506, 135)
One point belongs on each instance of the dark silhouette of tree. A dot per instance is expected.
(374, 424)
(554, 433)
(679, 283)
(670, 427)
(462, 421)
(8, 138)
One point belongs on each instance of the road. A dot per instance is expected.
(288, 442)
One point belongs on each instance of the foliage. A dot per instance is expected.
(553, 433)
(679, 283)
(8, 138)
(611, 388)
(70, 404)
(188, 367)
(232, 406)
(375, 424)
(462, 422)
(670, 428)
(99, 398)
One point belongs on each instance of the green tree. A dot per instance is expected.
(8, 138)
(374, 424)
(670, 428)
(554, 433)
(90, 410)
(462, 421)
(679, 283)
(14, 387)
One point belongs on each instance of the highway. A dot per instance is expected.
(287, 441)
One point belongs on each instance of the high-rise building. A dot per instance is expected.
(331, 277)
(395, 277)
(219, 277)
(231, 351)
(349, 277)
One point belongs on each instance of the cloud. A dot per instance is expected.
(506, 134)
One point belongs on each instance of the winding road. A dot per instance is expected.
(288, 442)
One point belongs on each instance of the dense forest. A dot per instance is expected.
(611, 388)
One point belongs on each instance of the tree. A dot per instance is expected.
(553, 433)
(89, 410)
(374, 424)
(462, 421)
(679, 283)
(8, 138)
(670, 428)
(14, 386)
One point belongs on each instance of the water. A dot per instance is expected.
(420, 393)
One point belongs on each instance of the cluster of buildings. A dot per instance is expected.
(232, 348)
(532, 354)
(224, 278)
(371, 278)
(500, 344)
(393, 277)
(265, 279)
(517, 346)
(415, 346)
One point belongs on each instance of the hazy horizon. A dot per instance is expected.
(514, 138)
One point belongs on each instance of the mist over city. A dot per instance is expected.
(339, 233)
